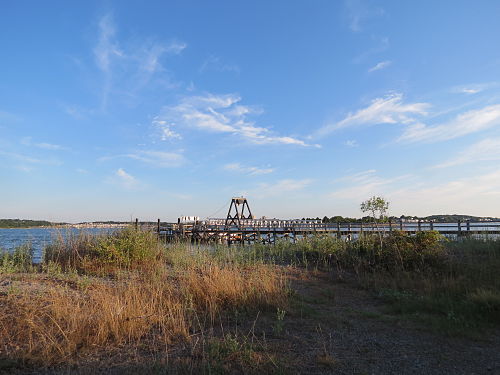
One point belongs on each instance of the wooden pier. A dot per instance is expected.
(271, 231)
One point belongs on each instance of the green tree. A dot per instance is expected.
(376, 206)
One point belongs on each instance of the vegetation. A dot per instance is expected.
(94, 296)
(17, 223)
(376, 206)
(19, 260)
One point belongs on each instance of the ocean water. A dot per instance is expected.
(38, 238)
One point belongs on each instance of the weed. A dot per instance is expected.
(279, 324)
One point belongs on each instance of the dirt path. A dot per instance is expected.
(338, 328)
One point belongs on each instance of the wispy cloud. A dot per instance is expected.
(379, 66)
(107, 47)
(380, 44)
(131, 68)
(21, 157)
(364, 184)
(222, 114)
(416, 196)
(27, 162)
(351, 143)
(473, 88)
(7, 117)
(216, 64)
(463, 124)
(387, 110)
(281, 187)
(237, 167)
(165, 129)
(359, 12)
(124, 179)
(474, 195)
(28, 141)
(485, 150)
(159, 159)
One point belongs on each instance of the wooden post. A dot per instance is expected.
(401, 225)
(136, 223)
(468, 225)
(432, 224)
(158, 227)
(419, 225)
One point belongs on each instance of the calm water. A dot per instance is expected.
(38, 237)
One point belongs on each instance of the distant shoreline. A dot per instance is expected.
(78, 226)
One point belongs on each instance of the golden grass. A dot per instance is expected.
(58, 324)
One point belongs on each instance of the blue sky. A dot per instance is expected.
(117, 110)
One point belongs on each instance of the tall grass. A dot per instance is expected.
(140, 294)
(18, 260)
(105, 252)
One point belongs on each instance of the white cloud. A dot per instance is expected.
(379, 66)
(28, 141)
(351, 143)
(485, 150)
(215, 63)
(29, 159)
(474, 88)
(365, 184)
(165, 129)
(466, 90)
(409, 194)
(50, 146)
(359, 12)
(476, 195)
(463, 124)
(281, 187)
(387, 110)
(125, 180)
(106, 47)
(160, 159)
(237, 167)
(221, 114)
(128, 70)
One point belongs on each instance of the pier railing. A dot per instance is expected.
(272, 230)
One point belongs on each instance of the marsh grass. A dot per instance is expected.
(19, 260)
(139, 294)
(105, 253)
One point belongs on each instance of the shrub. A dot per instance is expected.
(106, 252)
(19, 260)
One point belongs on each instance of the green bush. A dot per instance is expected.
(19, 260)
(127, 246)
(84, 251)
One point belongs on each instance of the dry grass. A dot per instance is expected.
(59, 324)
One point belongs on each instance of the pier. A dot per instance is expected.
(240, 226)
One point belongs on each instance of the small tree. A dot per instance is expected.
(376, 206)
